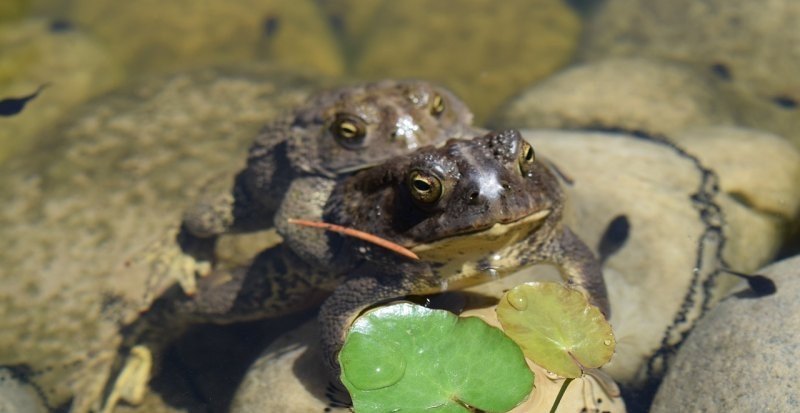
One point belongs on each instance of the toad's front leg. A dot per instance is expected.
(578, 266)
(360, 293)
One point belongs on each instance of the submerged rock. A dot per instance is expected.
(150, 35)
(98, 191)
(73, 65)
(742, 357)
(483, 52)
(751, 47)
(632, 94)
(13, 9)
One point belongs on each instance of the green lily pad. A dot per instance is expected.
(409, 358)
(556, 327)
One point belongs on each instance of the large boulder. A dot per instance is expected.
(688, 220)
(742, 356)
(634, 94)
(485, 53)
(13, 9)
(153, 36)
(751, 47)
(290, 376)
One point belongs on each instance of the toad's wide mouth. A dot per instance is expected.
(482, 241)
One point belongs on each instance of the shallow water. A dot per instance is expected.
(139, 101)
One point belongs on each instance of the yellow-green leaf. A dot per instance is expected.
(556, 327)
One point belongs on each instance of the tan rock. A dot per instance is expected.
(103, 188)
(290, 376)
(150, 35)
(483, 52)
(633, 94)
(741, 177)
(74, 65)
(13, 9)
(653, 185)
(650, 279)
(353, 19)
(749, 46)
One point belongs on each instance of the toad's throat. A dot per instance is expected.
(489, 240)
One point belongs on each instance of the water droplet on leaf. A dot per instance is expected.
(517, 299)
(372, 364)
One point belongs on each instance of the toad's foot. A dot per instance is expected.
(176, 257)
(131, 383)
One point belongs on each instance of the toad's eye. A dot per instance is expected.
(526, 158)
(349, 130)
(437, 105)
(424, 188)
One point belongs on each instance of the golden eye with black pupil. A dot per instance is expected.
(349, 130)
(526, 157)
(424, 188)
(437, 105)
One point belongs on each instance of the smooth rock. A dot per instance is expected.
(150, 35)
(483, 52)
(684, 227)
(17, 396)
(13, 9)
(772, 156)
(751, 47)
(98, 192)
(632, 94)
(289, 376)
(73, 65)
(671, 201)
(742, 356)
(352, 20)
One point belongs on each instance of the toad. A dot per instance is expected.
(292, 163)
(471, 210)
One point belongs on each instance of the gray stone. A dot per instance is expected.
(17, 396)
(743, 355)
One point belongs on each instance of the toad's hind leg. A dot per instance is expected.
(230, 207)
(277, 283)
(580, 268)
(188, 251)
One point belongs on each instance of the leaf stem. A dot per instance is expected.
(563, 389)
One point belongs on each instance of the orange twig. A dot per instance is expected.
(399, 249)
